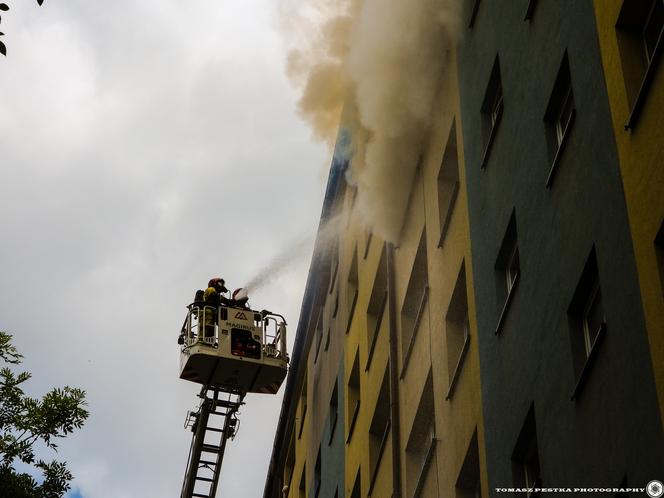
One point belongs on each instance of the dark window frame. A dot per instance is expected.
(289, 462)
(469, 481)
(303, 410)
(424, 298)
(448, 181)
(457, 318)
(354, 392)
(376, 428)
(659, 254)
(492, 110)
(473, 13)
(302, 487)
(376, 331)
(319, 334)
(428, 457)
(421, 442)
(559, 117)
(317, 475)
(335, 310)
(417, 293)
(367, 244)
(334, 411)
(584, 348)
(530, 10)
(505, 284)
(639, 64)
(334, 266)
(526, 455)
(376, 307)
(354, 286)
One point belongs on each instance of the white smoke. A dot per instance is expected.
(326, 237)
(381, 60)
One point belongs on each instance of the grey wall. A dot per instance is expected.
(613, 429)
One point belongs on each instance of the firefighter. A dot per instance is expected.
(213, 298)
(239, 299)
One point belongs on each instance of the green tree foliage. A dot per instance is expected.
(4, 8)
(25, 421)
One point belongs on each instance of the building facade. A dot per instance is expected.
(514, 336)
(564, 351)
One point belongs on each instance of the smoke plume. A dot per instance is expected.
(381, 61)
(294, 252)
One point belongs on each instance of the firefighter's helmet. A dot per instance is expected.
(218, 284)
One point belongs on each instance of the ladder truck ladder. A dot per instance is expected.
(213, 425)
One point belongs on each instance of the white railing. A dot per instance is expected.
(202, 326)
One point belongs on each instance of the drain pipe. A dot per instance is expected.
(394, 375)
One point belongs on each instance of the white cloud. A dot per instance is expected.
(146, 146)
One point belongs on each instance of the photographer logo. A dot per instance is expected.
(655, 489)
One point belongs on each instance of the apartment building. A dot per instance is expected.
(514, 335)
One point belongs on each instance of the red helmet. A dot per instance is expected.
(218, 284)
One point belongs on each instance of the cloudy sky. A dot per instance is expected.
(145, 146)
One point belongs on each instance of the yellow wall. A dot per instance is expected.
(641, 154)
(456, 420)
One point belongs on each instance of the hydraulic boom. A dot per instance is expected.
(213, 425)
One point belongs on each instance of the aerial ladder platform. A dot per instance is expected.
(230, 351)
(213, 424)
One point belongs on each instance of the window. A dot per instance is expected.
(525, 458)
(334, 264)
(587, 322)
(457, 331)
(335, 310)
(474, 7)
(593, 318)
(327, 338)
(376, 307)
(492, 110)
(317, 476)
(290, 461)
(414, 302)
(352, 197)
(367, 243)
(353, 398)
(355, 493)
(530, 10)
(303, 406)
(468, 484)
(659, 251)
(512, 268)
(352, 290)
(379, 428)
(302, 488)
(334, 410)
(559, 117)
(420, 446)
(639, 29)
(507, 271)
(448, 183)
(319, 333)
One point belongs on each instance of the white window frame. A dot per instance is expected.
(530, 481)
(564, 114)
(587, 332)
(497, 105)
(510, 276)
